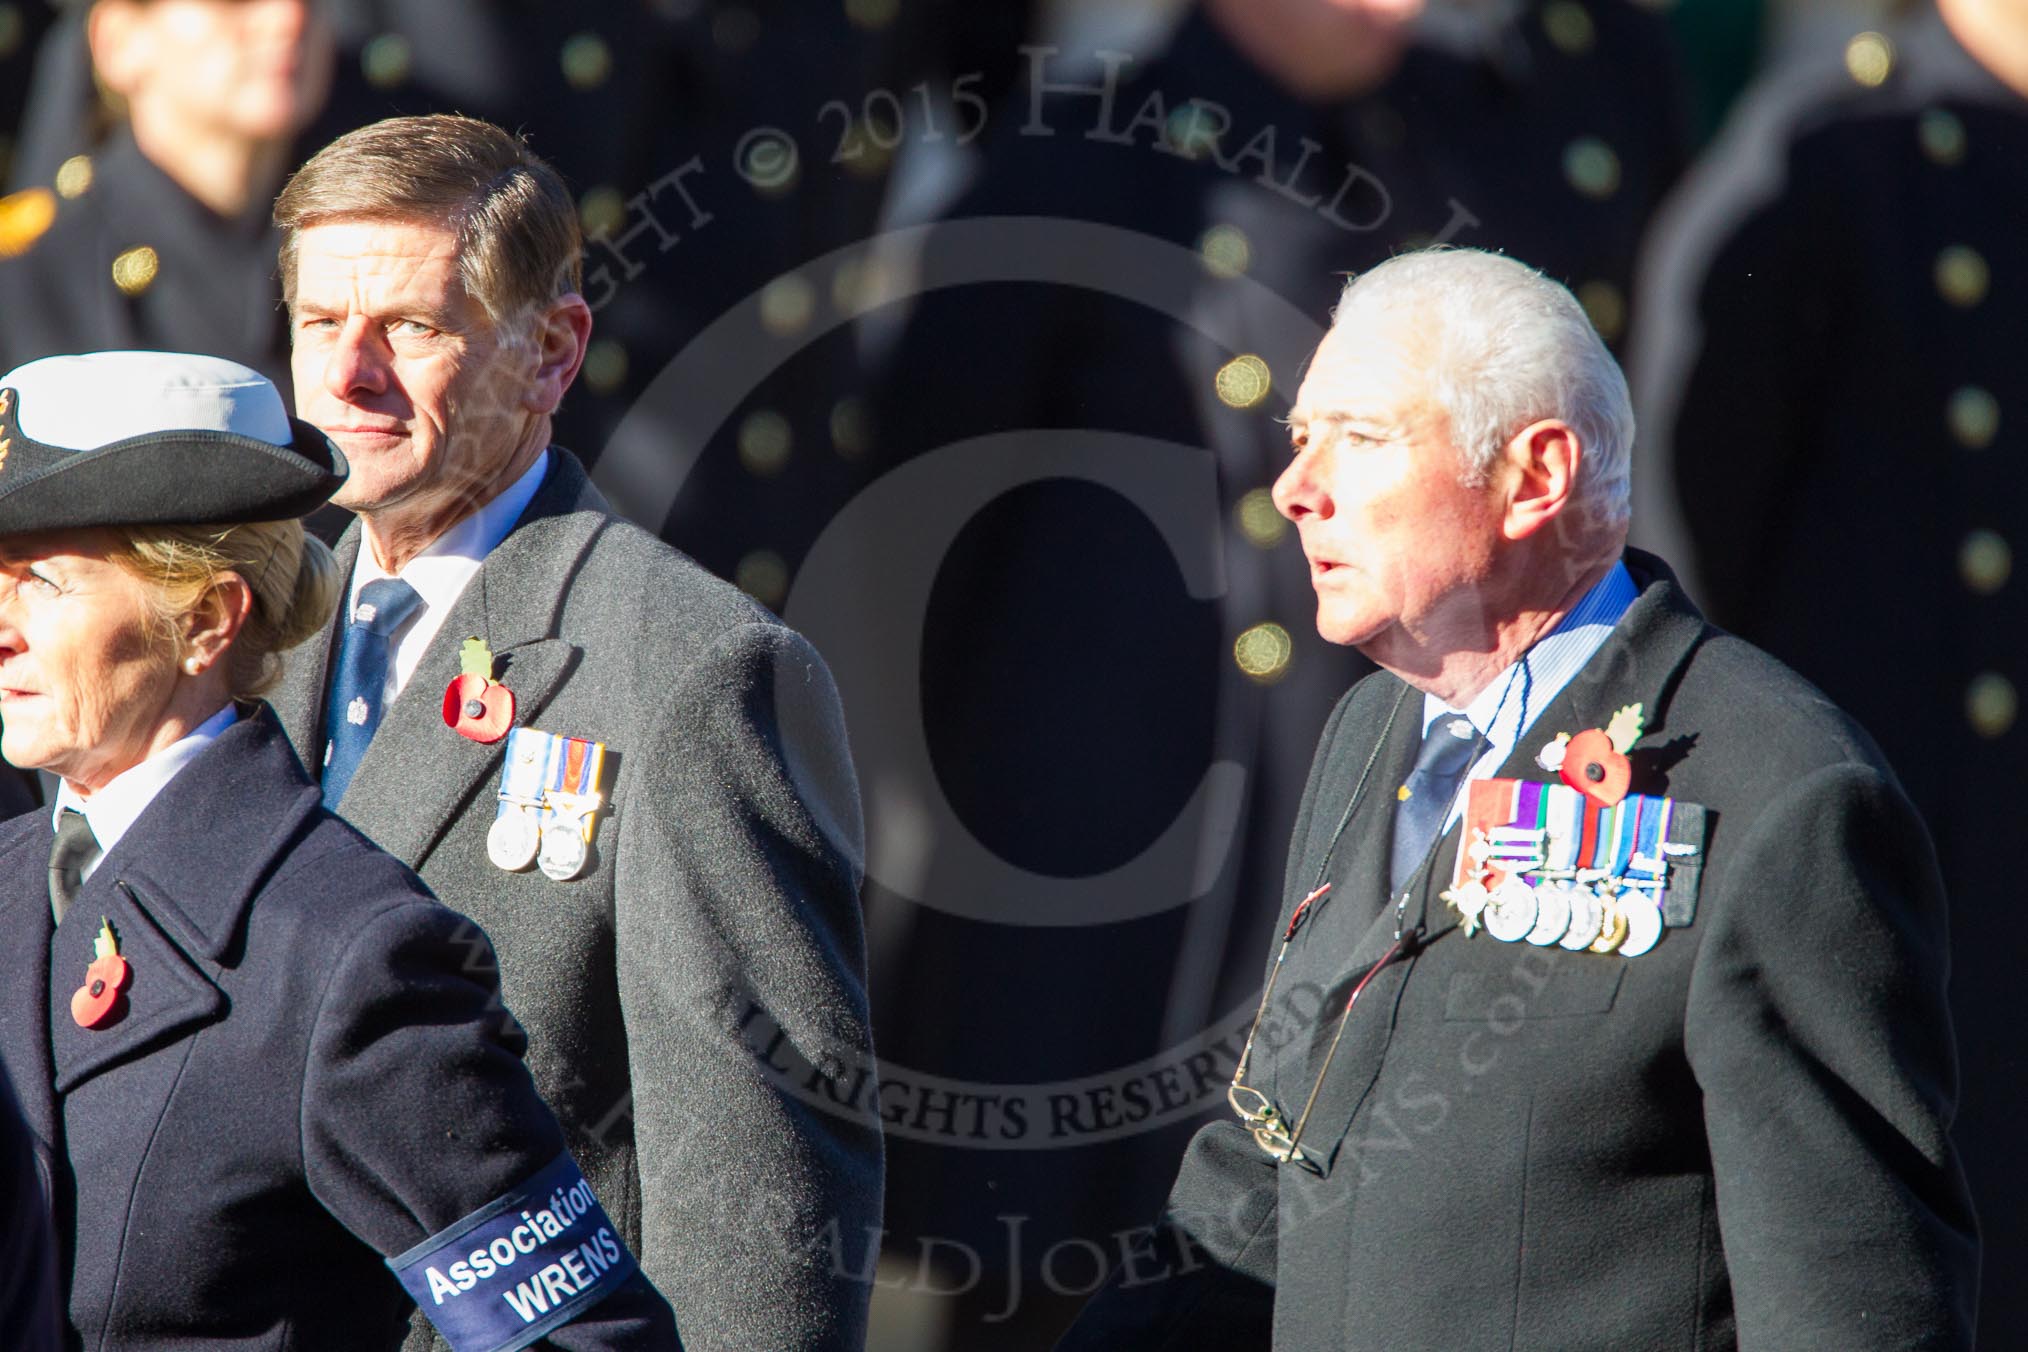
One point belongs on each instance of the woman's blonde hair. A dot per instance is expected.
(294, 580)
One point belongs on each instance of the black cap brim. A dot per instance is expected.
(196, 477)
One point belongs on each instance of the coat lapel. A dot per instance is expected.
(24, 996)
(1369, 855)
(168, 992)
(417, 774)
(1347, 847)
(176, 907)
(298, 698)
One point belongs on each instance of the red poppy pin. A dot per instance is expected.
(101, 1000)
(476, 705)
(1595, 761)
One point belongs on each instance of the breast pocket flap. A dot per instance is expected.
(1576, 984)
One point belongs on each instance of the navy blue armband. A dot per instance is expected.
(520, 1266)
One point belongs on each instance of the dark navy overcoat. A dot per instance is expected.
(313, 1072)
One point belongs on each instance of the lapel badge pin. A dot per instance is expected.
(100, 1001)
(476, 705)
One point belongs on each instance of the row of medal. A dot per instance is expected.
(1571, 914)
(549, 801)
(1545, 865)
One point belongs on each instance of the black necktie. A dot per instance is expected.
(1448, 750)
(75, 848)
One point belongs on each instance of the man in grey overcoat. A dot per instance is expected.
(636, 781)
(1609, 988)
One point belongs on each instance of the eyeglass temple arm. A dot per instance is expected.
(1302, 908)
(1393, 950)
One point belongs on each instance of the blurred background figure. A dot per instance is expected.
(1121, 686)
(154, 233)
(22, 25)
(1832, 388)
(644, 107)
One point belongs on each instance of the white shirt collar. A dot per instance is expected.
(1506, 709)
(442, 571)
(119, 803)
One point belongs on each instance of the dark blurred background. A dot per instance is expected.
(958, 333)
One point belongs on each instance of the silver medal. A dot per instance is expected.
(1511, 913)
(1552, 914)
(1587, 916)
(513, 840)
(1470, 902)
(563, 852)
(1644, 923)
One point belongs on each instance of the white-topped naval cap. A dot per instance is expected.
(83, 402)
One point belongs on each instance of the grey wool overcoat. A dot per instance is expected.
(1738, 1139)
(716, 933)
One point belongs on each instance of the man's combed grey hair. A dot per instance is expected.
(1510, 347)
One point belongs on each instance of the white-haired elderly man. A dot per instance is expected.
(1606, 1008)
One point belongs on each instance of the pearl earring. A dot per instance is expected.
(190, 665)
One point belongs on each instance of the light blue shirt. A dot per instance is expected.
(1508, 707)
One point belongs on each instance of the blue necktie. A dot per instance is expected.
(1448, 750)
(354, 708)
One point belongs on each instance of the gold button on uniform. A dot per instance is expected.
(851, 428)
(1962, 277)
(1244, 381)
(386, 60)
(1188, 133)
(1942, 137)
(1991, 704)
(1869, 59)
(601, 211)
(134, 270)
(1225, 250)
(605, 365)
(587, 61)
(787, 305)
(1263, 652)
(1974, 417)
(763, 575)
(1258, 520)
(74, 176)
(1607, 307)
(872, 14)
(1569, 26)
(1985, 561)
(1592, 167)
(765, 440)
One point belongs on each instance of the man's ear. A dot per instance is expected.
(211, 628)
(561, 333)
(1543, 459)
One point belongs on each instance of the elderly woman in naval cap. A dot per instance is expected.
(272, 1084)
